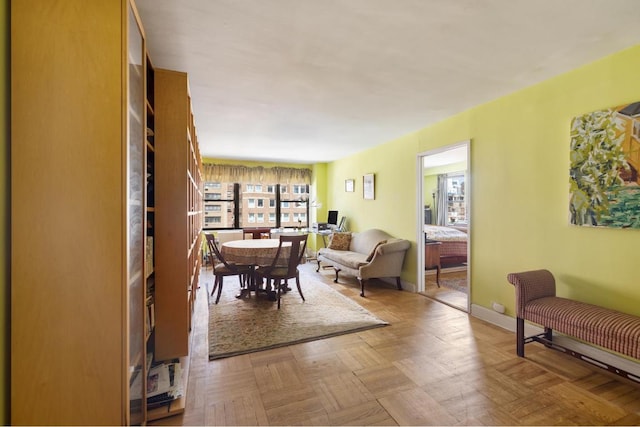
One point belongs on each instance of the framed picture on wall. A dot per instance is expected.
(349, 185)
(368, 186)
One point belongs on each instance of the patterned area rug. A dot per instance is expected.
(239, 326)
(456, 281)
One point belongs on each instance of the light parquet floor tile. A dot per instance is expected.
(434, 365)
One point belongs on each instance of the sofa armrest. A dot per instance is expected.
(396, 245)
(387, 260)
(531, 285)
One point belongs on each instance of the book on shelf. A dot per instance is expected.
(164, 383)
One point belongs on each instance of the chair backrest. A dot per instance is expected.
(298, 249)
(214, 251)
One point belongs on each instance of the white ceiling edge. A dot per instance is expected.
(307, 81)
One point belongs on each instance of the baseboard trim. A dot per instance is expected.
(406, 286)
(509, 323)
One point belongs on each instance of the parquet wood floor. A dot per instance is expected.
(434, 365)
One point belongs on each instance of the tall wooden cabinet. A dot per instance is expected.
(78, 213)
(178, 213)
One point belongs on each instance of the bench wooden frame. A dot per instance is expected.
(536, 301)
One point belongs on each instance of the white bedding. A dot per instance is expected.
(444, 234)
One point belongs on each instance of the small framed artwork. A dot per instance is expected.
(368, 187)
(349, 185)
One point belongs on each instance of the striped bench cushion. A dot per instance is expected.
(616, 331)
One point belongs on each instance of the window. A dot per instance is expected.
(210, 220)
(456, 206)
(236, 196)
(300, 189)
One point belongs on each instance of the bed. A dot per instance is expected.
(453, 250)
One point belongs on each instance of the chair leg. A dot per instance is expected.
(219, 289)
(361, 286)
(398, 283)
(215, 285)
(279, 286)
(298, 285)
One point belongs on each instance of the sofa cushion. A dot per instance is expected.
(349, 259)
(340, 241)
(373, 251)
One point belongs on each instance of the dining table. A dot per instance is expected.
(256, 253)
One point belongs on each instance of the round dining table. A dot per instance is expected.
(254, 252)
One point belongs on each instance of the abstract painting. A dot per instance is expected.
(604, 163)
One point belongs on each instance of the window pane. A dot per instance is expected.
(218, 214)
(258, 188)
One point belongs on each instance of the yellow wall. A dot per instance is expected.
(4, 212)
(518, 185)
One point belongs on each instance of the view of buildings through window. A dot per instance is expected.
(241, 205)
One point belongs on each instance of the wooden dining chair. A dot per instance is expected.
(281, 270)
(222, 268)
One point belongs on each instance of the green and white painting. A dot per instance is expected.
(605, 158)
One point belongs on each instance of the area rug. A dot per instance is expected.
(455, 281)
(239, 326)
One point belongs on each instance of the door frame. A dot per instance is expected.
(420, 199)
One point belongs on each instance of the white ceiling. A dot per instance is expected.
(307, 81)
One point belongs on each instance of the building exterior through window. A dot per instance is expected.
(241, 205)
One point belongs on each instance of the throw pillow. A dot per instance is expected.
(340, 241)
(373, 251)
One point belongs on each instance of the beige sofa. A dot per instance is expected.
(367, 257)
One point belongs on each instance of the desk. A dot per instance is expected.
(324, 234)
(253, 252)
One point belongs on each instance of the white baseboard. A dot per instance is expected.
(407, 286)
(509, 323)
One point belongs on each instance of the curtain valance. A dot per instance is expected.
(256, 174)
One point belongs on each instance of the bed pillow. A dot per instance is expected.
(340, 241)
(373, 251)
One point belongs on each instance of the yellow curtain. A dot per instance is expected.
(257, 174)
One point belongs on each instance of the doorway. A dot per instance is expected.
(444, 226)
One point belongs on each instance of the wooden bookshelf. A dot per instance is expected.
(78, 124)
(178, 216)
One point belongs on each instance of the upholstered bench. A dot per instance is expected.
(536, 301)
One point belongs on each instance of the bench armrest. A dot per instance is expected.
(531, 285)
